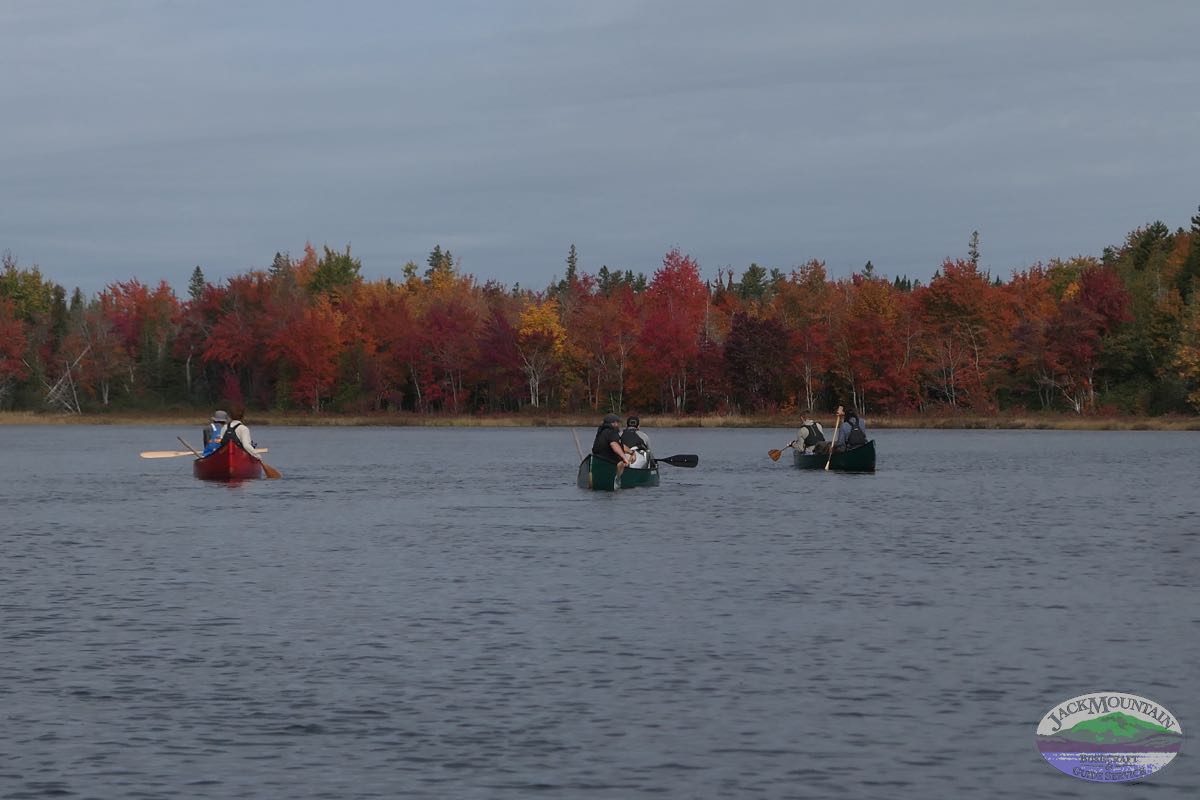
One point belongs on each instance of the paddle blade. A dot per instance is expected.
(681, 460)
(272, 473)
(775, 454)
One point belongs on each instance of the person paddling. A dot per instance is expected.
(239, 429)
(607, 445)
(852, 432)
(809, 436)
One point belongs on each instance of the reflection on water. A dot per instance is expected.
(441, 613)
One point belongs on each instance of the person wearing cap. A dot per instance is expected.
(852, 432)
(214, 432)
(608, 441)
(636, 443)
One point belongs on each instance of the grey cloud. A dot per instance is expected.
(151, 138)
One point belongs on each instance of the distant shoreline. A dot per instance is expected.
(788, 421)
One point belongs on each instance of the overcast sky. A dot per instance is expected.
(141, 139)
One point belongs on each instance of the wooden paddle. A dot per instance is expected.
(176, 453)
(165, 453)
(195, 452)
(578, 448)
(680, 460)
(775, 454)
(837, 426)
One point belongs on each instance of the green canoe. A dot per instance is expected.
(601, 475)
(856, 459)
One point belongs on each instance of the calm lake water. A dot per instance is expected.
(442, 613)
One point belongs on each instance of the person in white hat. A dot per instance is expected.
(214, 432)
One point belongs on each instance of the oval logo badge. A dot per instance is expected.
(1109, 737)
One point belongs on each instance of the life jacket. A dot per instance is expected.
(856, 436)
(229, 433)
(812, 433)
(213, 432)
(213, 436)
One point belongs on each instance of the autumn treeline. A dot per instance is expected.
(1118, 333)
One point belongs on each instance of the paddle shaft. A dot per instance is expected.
(837, 426)
(176, 453)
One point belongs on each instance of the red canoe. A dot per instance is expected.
(229, 461)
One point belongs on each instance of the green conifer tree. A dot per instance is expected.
(197, 283)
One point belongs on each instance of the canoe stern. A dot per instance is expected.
(599, 475)
(230, 461)
(858, 459)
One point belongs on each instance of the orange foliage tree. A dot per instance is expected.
(602, 337)
(310, 344)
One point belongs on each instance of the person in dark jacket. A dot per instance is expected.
(636, 443)
(608, 441)
(852, 432)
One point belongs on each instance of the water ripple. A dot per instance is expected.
(377, 625)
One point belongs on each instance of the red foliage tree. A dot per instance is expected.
(968, 331)
(499, 362)
(674, 319)
(1090, 309)
(602, 336)
(247, 320)
(146, 323)
(803, 304)
(755, 358)
(12, 345)
(310, 344)
(1035, 310)
(450, 323)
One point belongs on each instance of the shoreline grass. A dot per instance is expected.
(1027, 421)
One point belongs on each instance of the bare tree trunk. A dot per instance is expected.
(74, 394)
(417, 385)
(809, 400)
